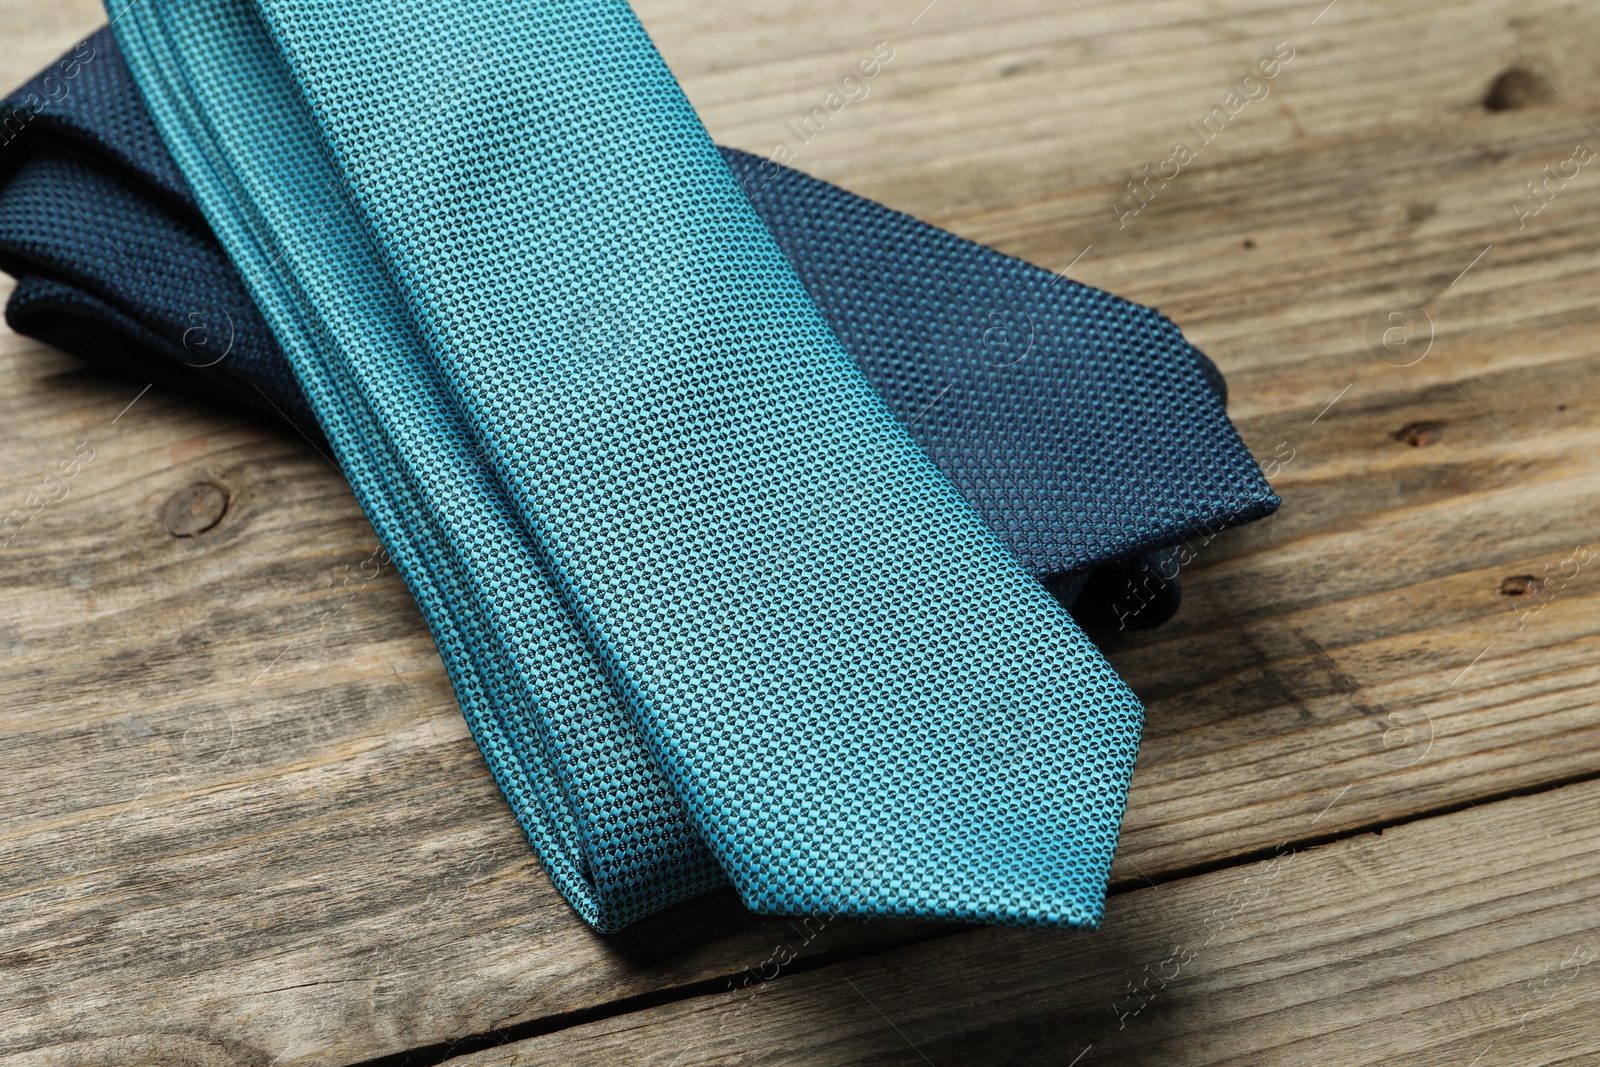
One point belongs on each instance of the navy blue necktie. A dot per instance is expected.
(1090, 436)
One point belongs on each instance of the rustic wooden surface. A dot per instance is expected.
(1419, 946)
(242, 822)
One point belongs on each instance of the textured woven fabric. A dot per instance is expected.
(711, 613)
(1072, 420)
(45, 226)
(557, 325)
(102, 232)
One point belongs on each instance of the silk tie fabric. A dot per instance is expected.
(861, 702)
(898, 867)
(989, 362)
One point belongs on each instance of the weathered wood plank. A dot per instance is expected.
(38, 33)
(210, 853)
(1464, 939)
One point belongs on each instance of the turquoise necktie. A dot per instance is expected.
(710, 611)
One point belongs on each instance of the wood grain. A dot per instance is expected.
(1420, 946)
(241, 820)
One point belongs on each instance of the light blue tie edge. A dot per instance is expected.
(708, 610)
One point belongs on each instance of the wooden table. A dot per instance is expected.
(241, 821)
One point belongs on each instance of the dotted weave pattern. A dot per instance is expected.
(99, 228)
(710, 610)
(924, 314)
(1085, 424)
(864, 703)
(610, 832)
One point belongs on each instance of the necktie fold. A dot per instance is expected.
(712, 612)
(991, 363)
